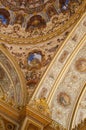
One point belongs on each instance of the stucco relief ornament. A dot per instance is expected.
(9, 126)
(56, 126)
(64, 99)
(81, 65)
(41, 106)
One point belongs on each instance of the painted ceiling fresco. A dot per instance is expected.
(17, 21)
(44, 42)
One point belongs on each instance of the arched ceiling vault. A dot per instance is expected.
(14, 88)
(65, 78)
(43, 64)
(76, 107)
(69, 40)
(55, 26)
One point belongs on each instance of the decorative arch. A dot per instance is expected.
(62, 86)
(13, 82)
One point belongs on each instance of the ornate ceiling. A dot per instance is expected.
(12, 88)
(29, 6)
(42, 64)
(24, 26)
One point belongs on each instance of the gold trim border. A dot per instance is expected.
(65, 69)
(57, 54)
(27, 41)
(8, 77)
(74, 112)
(19, 73)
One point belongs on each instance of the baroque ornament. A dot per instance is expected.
(81, 65)
(29, 6)
(52, 21)
(63, 99)
(41, 106)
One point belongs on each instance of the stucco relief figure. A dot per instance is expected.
(63, 56)
(51, 11)
(63, 99)
(36, 21)
(19, 19)
(81, 65)
(43, 93)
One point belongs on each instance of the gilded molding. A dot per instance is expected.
(54, 59)
(41, 106)
(19, 73)
(75, 109)
(65, 68)
(23, 41)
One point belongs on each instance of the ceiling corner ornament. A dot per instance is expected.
(41, 106)
(56, 126)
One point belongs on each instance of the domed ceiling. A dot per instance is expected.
(33, 30)
(31, 19)
(34, 33)
(29, 6)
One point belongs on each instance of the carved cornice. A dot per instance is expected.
(41, 106)
(35, 117)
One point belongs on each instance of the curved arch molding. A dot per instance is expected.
(12, 81)
(63, 82)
